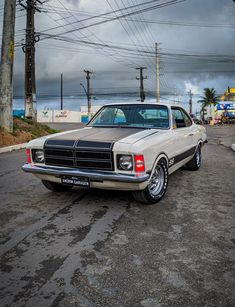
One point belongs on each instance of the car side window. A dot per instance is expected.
(187, 119)
(178, 118)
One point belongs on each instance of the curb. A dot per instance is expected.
(233, 147)
(13, 147)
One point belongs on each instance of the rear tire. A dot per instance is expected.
(195, 163)
(56, 187)
(157, 187)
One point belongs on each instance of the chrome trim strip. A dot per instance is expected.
(109, 176)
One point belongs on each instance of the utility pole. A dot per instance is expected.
(88, 91)
(190, 102)
(157, 73)
(141, 78)
(61, 92)
(29, 49)
(6, 69)
(175, 95)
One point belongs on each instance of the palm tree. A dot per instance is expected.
(210, 98)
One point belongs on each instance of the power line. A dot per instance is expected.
(167, 3)
(212, 58)
(115, 56)
(150, 21)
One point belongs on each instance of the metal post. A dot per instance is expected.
(30, 86)
(190, 102)
(61, 92)
(157, 74)
(88, 91)
(141, 78)
(29, 48)
(6, 69)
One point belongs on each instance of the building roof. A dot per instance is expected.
(229, 95)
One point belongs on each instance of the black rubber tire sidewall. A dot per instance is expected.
(157, 198)
(192, 165)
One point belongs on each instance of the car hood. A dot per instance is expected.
(93, 134)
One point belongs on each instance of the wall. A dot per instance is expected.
(65, 116)
(57, 116)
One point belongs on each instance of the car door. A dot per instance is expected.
(182, 135)
(193, 131)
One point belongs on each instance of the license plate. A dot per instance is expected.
(78, 181)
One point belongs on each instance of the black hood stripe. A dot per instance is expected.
(92, 137)
(93, 144)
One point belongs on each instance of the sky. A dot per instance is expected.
(195, 37)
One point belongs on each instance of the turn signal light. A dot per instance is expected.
(28, 155)
(139, 163)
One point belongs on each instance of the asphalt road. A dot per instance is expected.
(65, 126)
(99, 248)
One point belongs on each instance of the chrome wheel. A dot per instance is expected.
(157, 186)
(157, 181)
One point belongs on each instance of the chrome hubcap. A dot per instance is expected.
(157, 181)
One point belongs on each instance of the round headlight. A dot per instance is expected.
(125, 163)
(39, 156)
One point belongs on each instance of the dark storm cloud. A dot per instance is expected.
(73, 2)
(114, 71)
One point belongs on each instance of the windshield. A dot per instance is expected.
(141, 116)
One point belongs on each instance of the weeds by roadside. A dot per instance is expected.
(24, 130)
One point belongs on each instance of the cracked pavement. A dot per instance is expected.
(101, 248)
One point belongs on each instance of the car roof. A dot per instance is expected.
(145, 103)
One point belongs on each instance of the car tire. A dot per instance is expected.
(195, 163)
(56, 187)
(157, 187)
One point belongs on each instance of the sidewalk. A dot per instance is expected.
(223, 135)
(13, 147)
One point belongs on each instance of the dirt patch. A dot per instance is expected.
(24, 131)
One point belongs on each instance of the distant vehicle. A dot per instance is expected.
(124, 147)
(228, 118)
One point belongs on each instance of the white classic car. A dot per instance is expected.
(132, 146)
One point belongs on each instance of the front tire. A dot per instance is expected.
(195, 163)
(157, 186)
(56, 187)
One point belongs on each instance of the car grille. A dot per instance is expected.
(83, 155)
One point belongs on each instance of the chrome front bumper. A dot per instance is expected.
(93, 175)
